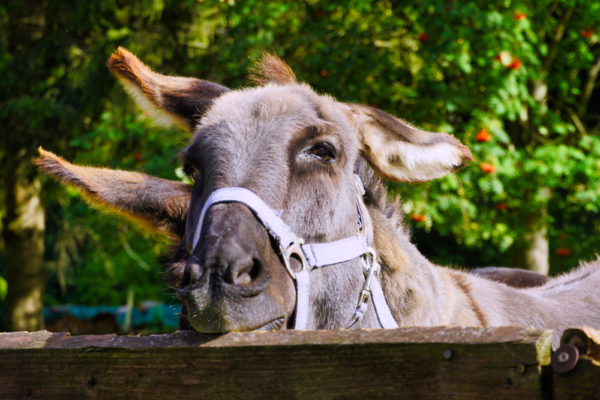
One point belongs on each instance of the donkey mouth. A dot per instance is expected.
(274, 325)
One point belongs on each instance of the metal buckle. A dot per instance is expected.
(295, 248)
(370, 269)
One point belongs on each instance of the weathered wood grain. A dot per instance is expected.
(423, 363)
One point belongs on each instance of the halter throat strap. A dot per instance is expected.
(312, 256)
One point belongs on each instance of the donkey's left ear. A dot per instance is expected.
(170, 99)
(156, 203)
(401, 152)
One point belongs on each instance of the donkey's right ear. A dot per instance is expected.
(170, 99)
(401, 152)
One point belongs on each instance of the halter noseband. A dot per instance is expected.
(314, 255)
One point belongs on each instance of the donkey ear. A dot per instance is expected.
(157, 203)
(172, 100)
(401, 152)
(272, 69)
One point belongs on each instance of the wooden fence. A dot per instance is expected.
(407, 363)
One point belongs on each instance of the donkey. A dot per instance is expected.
(286, 223)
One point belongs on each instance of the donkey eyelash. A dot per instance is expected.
(324, 152)
(192, 172)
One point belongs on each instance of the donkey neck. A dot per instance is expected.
(419, 293)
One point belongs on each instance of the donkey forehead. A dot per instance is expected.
(249, 138)
(272, 114)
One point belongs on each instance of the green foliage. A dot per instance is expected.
(3, 287)
(100, 258)
(56, 92)
(521, 71)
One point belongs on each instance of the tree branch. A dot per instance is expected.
(576, 121)
(540, 89)
(558, 35)
(589, 88)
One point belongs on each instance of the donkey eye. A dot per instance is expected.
(192, 172)
(323, 151)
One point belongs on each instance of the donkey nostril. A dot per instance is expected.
(192, 274)
(244, 272)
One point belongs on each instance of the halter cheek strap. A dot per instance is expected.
(311, 256)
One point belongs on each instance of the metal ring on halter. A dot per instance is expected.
(370, 272)
(368, 261)
(295, 248)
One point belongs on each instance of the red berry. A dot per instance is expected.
(138, 155)
(483, 136)
(487, 167)
(418, 217)
(587, 33)
(423, 37)
(515, 64)
(563, 251)
(519, 16)
(501, 206)
(324, 72)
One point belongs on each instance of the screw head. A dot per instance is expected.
(447, 354)
(563, 357)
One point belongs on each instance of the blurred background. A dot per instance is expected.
(517, 81)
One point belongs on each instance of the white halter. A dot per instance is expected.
(314, 255)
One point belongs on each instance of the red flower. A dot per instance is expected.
(324, 72)
(423, 37)
(487, 167)
(587, 33)
(514, 64)
(418, 217)
(483, 136)
(519, 16)
(501, 206)
(563, 251)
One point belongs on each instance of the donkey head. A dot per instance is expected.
(298, 151)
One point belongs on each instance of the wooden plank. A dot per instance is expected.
(583, 382)
(427, 363)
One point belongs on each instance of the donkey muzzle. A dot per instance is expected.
(226, 284)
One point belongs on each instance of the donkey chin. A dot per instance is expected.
(232, 314)
(219, 307)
